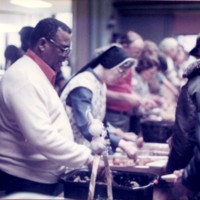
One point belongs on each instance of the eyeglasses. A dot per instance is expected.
(64, 50)
(130, 63)
(123, 69)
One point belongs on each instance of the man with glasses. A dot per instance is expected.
(64, 50)
(36, 139)
(61, 77)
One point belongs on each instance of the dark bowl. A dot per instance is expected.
(122, 189)
(156, 131)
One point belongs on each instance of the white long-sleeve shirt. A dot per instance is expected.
(36, 140)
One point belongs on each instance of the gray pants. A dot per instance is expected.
(118, 119)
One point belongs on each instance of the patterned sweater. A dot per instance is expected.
(98, 102)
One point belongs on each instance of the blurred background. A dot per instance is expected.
(96, 22)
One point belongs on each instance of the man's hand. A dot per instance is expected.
(98, 145)
(169, 142)
(149, 104)
(98, 160)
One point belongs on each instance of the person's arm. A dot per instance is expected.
(80, 100)
(133, 98)
(171, 73)
(168, 84)
(183, 138)
(29, 106)
(191, 173)
(118, 140)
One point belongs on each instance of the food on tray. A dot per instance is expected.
(145, 160)
(141, 161)
(134, 184)
(158, 163)
(84, 179)
(125, 181)
(122, 161)
(150, 153)
(156, 149)
(116, 180)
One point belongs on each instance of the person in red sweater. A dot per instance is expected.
(121, 99)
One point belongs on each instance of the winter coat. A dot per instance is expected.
(185, 149)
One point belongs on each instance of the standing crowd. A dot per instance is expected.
(46, 118)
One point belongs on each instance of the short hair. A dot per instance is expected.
(25, 34)
(147, 61)
(151, 47)
(167, 44)
(47, 28)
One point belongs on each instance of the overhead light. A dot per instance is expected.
(31, 3)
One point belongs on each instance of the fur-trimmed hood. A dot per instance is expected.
(192, 70)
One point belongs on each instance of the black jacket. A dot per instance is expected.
(185, 151)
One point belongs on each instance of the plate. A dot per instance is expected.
(169, 177)
(157, 164)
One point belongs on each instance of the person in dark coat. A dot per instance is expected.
(185, 141)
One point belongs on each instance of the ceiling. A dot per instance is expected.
(58, 6)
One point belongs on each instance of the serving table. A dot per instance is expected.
(152, 159)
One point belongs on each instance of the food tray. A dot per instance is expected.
(156, 167)
(152, 158)
(156, 131)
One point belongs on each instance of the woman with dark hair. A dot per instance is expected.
(12, 53)
(160, 85)
(146, 71)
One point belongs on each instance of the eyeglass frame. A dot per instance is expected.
(122, 69)
(64, 50)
